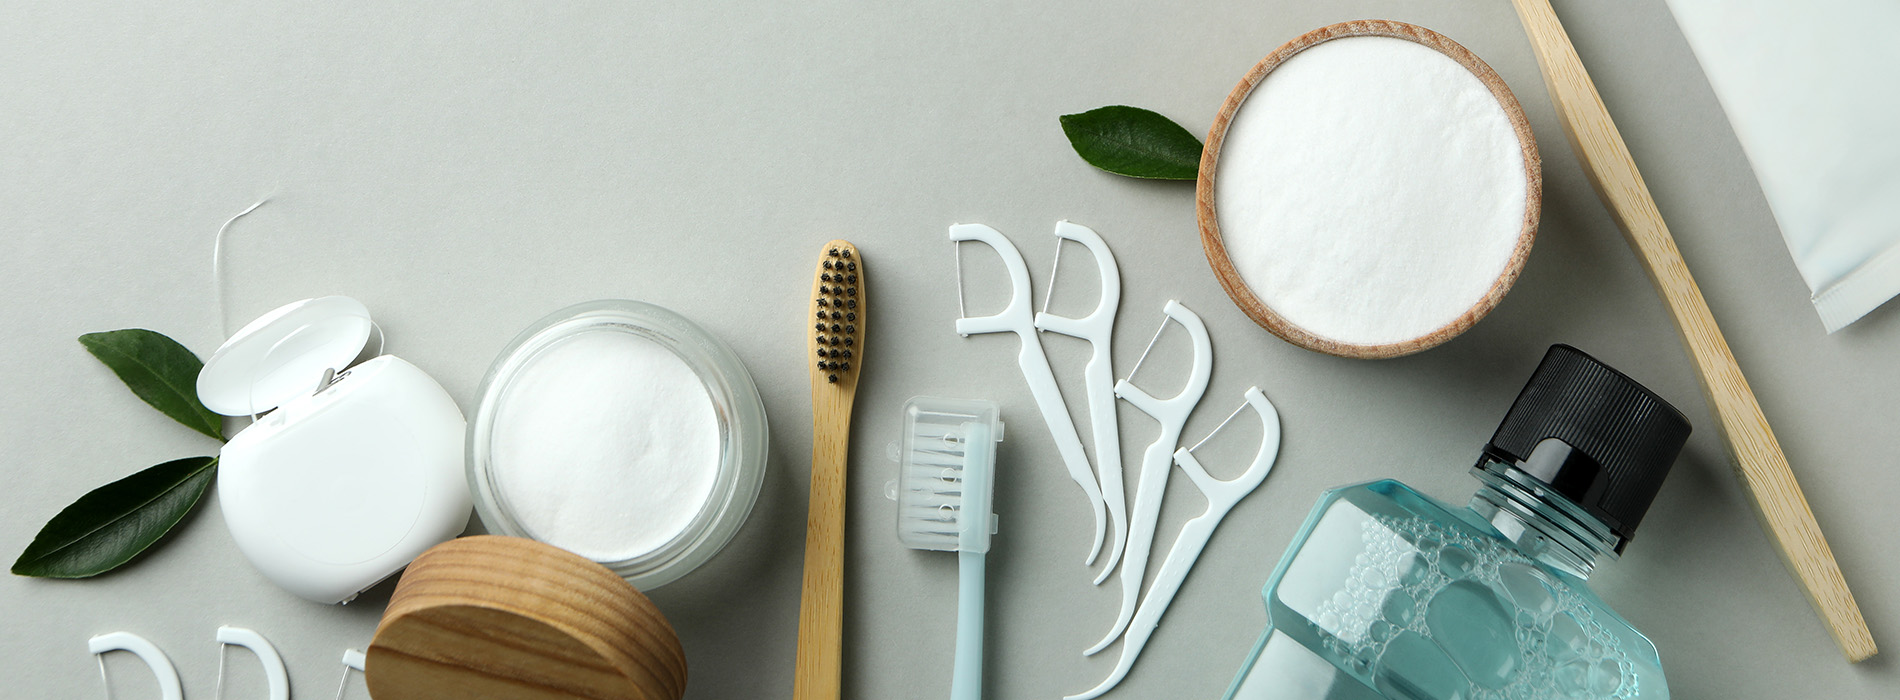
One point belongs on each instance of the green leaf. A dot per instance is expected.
(1134, 142)
(113, 523)
(160, 371)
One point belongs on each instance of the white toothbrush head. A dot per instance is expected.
(948, 474)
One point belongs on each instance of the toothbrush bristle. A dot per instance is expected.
(934, 481)
(837, 299)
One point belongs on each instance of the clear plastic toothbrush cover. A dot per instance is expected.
(943, 440)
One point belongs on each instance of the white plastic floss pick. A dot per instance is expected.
(168, 688)
(352, 659)
(1099, 376)
(277, 682)
(1016, 318)
(1153, 480)
(1221, 498)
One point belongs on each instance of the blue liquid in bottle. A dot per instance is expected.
(1386, 593)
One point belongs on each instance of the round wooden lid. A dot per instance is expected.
(1216, 249)
(506, 617)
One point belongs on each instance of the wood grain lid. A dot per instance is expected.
(506, 617)
(1263, 314)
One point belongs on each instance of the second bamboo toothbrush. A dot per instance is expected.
(1753, 451)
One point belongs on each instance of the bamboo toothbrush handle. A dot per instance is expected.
(834, 346)
(1753, 451)
(821, 606)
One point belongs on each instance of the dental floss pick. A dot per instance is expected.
(275, 679)
(352, 659)
(147, 652)
(1172, 414)
(1221, 498)
(1016, 318)
(1098, 328)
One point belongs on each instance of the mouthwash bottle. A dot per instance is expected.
(1386, 593)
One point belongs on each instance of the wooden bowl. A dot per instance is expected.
(1263, 314)
(506, 617)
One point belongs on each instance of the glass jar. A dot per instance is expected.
(741, 432)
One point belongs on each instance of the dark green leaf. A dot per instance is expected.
(160, 371)
(115, 522)
(1134, 142)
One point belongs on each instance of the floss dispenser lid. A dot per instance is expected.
(283, 354)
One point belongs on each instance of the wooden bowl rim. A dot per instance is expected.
(1271, 320)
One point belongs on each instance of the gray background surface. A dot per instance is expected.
(465, 170)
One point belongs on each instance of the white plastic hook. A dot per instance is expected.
(1221, 497)
(1016, 318)
(352, 659)
(274, 676)
(1098, 376)
(147, 652)
(1152, 482)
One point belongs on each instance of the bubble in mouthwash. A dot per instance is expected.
(1429, 610)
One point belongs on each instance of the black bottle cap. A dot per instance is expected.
(1592, 435)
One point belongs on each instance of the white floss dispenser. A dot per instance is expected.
(350, 472)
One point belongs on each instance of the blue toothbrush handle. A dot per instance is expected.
(966, 681)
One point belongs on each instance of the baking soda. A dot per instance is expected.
(1370, 190)
(607, 445)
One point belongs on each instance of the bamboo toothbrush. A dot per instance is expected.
(834, 351)
(1753, 451)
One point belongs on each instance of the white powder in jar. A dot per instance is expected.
(1370, 190)
(606, 445)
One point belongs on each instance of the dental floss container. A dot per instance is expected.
(349, 472)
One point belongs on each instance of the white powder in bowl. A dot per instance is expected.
(1370, 190)
(606, 445)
